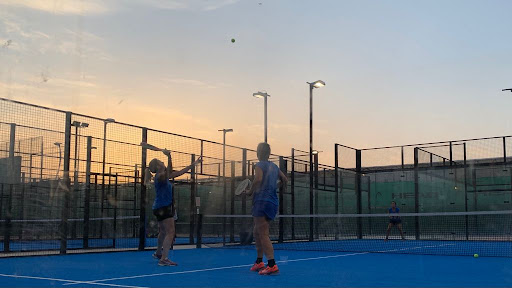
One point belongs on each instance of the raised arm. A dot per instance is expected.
(176, 174)
(256, 183)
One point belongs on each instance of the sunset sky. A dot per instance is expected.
(397, 72)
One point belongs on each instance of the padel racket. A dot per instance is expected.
(242, 187)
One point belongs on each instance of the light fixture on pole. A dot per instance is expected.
(312, 85)
(509, 89)
(263, 95)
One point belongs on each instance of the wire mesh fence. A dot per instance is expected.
(74, 182)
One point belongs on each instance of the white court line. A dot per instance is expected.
(212, 269)
(246, 265)
(65, 280)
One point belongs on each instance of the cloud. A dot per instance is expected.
(192, 82)
(66, 83)
(65, 41)
(12, 27)
(60, 7)
(204, 5)
(214, 5)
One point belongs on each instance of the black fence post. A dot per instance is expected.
(8, 213)
(193, 193)
(244, 176)
(402, 156)
(87, 203)
(67, 184)
(315, 167)
(358, 194)
(504, 150)
(202, 151)
(232, 202)
(116, 203)
(283, 168)
(336, 190)
(451, 154)
(135, 182)
(311, 196)
(466, 190)
(416, 194)
(292, 191)
(199, 230)
(143, 197)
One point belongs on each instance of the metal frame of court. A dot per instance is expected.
(80, 187)
(122, 194)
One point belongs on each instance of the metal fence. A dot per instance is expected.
(451, 176)
(71, 182)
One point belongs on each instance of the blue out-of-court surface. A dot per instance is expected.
(209, 267)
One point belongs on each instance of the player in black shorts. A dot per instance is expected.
(394, 220)
(163, 206)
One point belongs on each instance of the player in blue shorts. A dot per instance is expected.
(265, 205)
(163, 206)
(394, 220)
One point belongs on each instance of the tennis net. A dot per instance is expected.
(486, 233)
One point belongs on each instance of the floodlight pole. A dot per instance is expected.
(311, 160)
(316, 84)
(266, 119)
(264, 95)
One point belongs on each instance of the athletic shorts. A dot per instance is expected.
(264, 209)
(395, 221)
(163, 213)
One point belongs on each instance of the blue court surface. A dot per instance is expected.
(210, 267)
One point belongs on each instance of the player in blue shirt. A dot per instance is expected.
(163, 206)
(394, 220)
(265, 205)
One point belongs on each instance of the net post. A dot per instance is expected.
(193, 193)
(8, 214)
(358, 194)
(67, 184)
(87, 203)
(292, 191)
(143, 197)
(416, 194)
(199, 230)
(336, 189)
(315, 167)
(282, 167)
(116, 202)
(232, 206)
(466, 190)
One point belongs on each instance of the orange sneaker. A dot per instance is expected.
(270, 271)
(258, 266)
